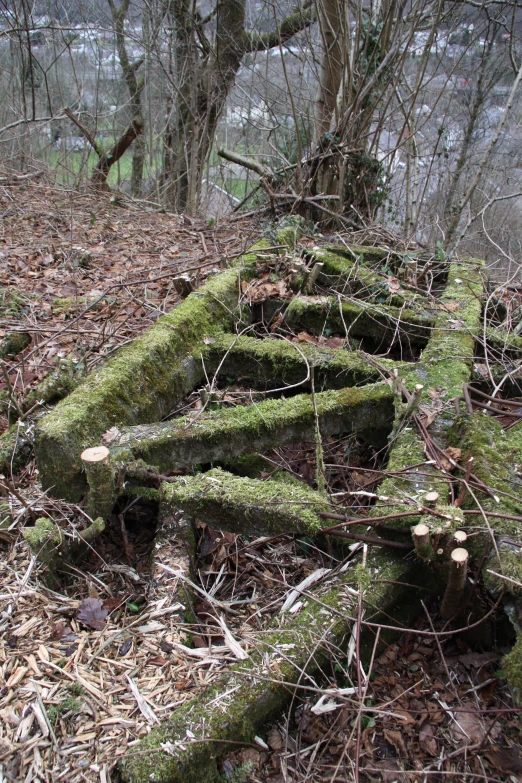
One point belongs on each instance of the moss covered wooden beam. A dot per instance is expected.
(382, 323)
(186, 748)
(351, 275)
(447, 360)
(248, 506)
(497, 461)
(229, 432)
(275, 363)
(445, 365)
(502, 343)
(370, 256)
(141, 383)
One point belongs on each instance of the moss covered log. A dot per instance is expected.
(447, 360)
(248, 506)
(445, 365)
(275, 363)
(16, 447)
(222, 434)
(351, 275)
(497, 461)
(381, 323)
(142, 383)
(252, 692)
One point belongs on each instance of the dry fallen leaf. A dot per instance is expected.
(449, 307)
(506, 760)
(395, 739)
(468, 728)
(452, 455)
(427, 739)
(275, 739)
(92, 614)
(393, 285)
(110, 436)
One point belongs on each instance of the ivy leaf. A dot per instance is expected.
(92, 614)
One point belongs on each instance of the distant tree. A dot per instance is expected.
(207, 55)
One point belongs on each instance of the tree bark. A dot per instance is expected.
(202, 76)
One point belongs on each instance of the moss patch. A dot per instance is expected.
(359, 319)
(247, 506)
(222, 434)
(279, 362)
(140, 384)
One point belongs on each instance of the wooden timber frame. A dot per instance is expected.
(119, 409)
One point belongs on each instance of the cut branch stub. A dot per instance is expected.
(431, 499)
(458, 572)
(458, 541)
(101, 480)
(421, 540)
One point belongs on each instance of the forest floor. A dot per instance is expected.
(80, 682)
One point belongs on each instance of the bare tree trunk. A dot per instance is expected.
(135, 89)
(203, 74)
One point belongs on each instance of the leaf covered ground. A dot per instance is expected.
(90, 667)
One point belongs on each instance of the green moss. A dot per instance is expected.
(141, 383)
(55, 712)
(376, 256)
(278, 362)
(448, 357)
(288, 230)
(72, 304)
(15, 447)
(497, 459)
(44, 539)
(145, 493)
(44, 531)
(505, 343)
(6, 517)
(512, 666)
(247, 506)
(59, 383)
(14, 343)
(352, 275)
(222, 434)
(359, 319)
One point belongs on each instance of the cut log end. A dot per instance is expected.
(460, 557)
(421, 540)
(95, 454)
(431, 498)
(460, 537)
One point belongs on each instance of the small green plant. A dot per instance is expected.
(75, 688)
(69, 704)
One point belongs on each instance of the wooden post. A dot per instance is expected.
(421, 540)
(100, 477)
(457, 579)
